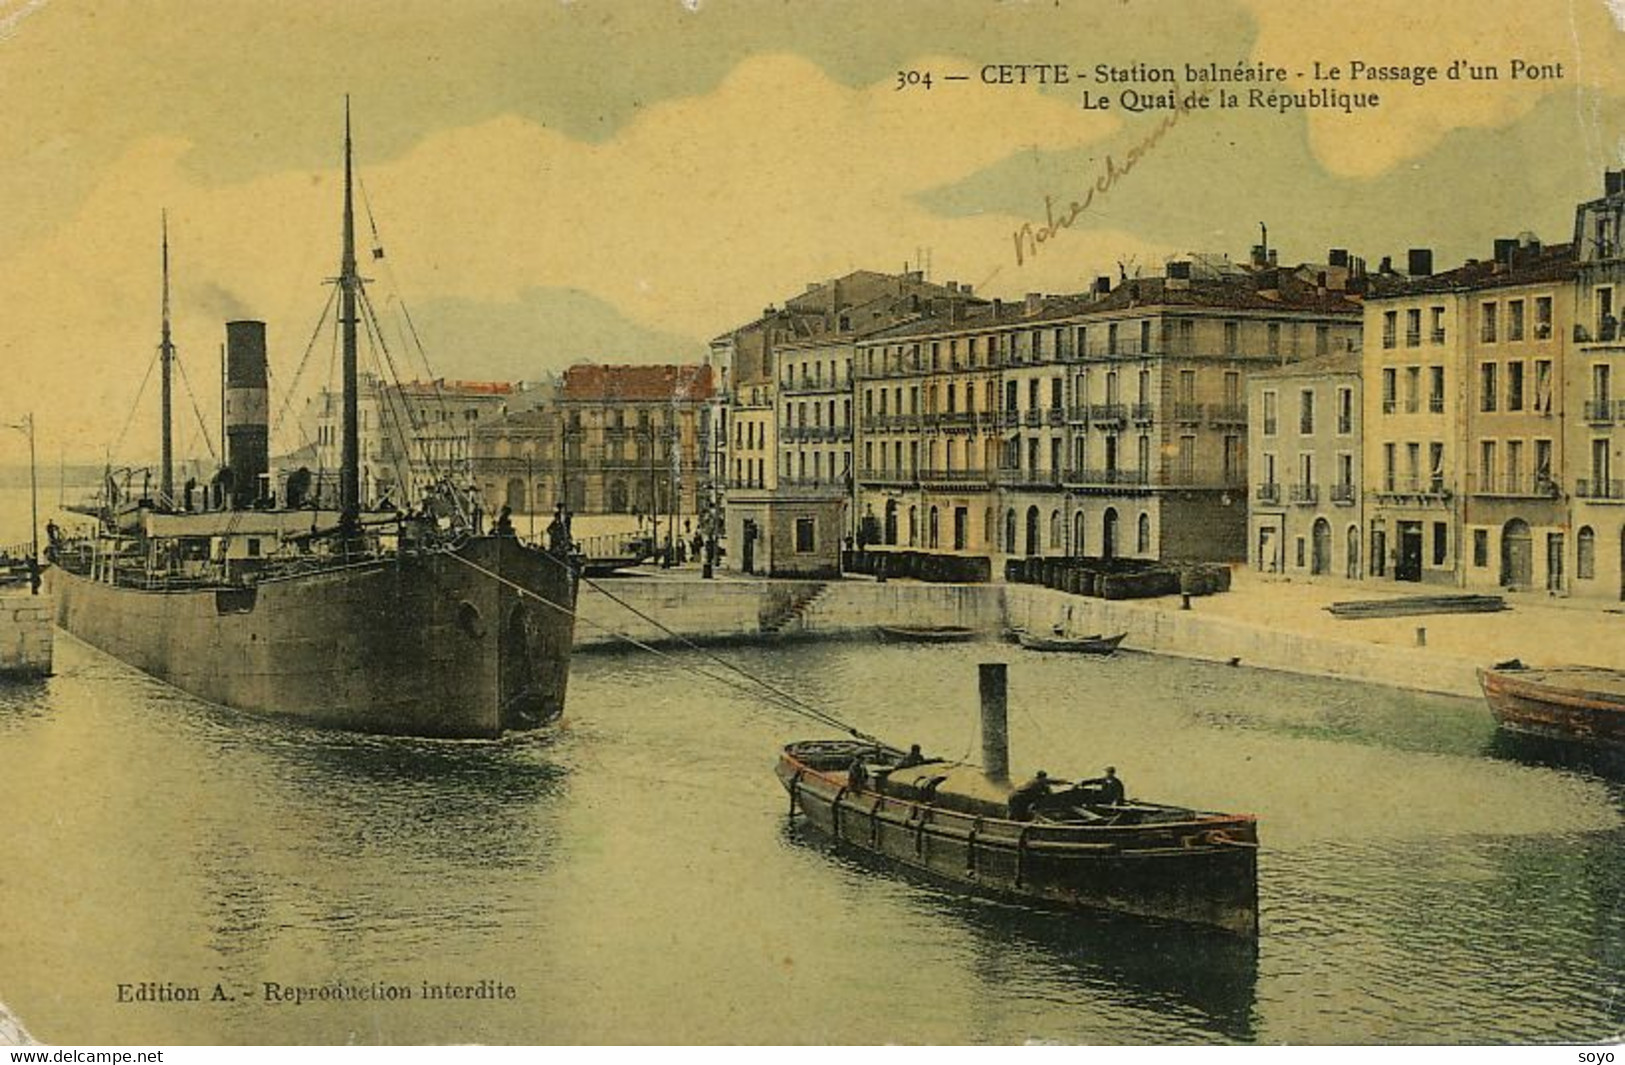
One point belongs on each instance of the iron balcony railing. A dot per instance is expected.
(1268, 493)
(1342, 493)
(1515, 484)
(1305, 493)
(1603, 488)
(1187, 412)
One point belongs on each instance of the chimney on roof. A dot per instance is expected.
(1504, 247)
(1260, 255)
(1338, 257)
(1033, 304)
(1386, 266)
(952, 286)
(1271, 257)
(1613, 182)
(964, 290)
(1419, 262)
(1178, 275)
(1103, 285)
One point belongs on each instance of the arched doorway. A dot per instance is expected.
(891, 522)
(1034, 546)
(617, 497)
(515, 498)
(1108, 534)
(1009, 543)
(1353, 573)
(1320, 551)
(1517, 554)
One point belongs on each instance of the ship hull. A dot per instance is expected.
(1198, 873)
(1574, 704)
(437, 644)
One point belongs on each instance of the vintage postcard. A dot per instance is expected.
(733, 522)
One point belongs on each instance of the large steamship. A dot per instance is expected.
(372, 620)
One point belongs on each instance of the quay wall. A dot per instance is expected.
(26, 627)
(736, 610)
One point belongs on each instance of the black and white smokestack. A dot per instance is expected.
(248, 432)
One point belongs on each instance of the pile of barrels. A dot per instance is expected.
(919, 566)
(1119, 578)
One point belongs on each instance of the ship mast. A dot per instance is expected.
(349, 283)
(166, 357)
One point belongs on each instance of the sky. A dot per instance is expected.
(620, 182)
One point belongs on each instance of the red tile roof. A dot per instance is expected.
(590, 383)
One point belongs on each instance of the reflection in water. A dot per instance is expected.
(1197, 979)
(1605, 762)
(631, 873)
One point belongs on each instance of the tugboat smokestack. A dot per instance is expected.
(995, 721)
(248, 432)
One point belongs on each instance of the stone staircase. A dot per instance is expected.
(781, 613)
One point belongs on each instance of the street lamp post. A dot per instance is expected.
(27, 426)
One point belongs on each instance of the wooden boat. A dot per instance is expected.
(1583, 704)
(1089, 645)
(926, 633)
(1074, 852)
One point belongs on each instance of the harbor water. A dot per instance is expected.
(632, 875)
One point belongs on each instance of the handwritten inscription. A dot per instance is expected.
(1031, 237)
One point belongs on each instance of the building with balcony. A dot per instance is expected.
(1595, 397)
(1111, 423)
(1464, 404)
(789, 418)
(1304, 459)
(412, 433)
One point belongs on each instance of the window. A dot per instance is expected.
(1323, 339)
(1585, 561)
(1145, 337)
(1345, 411)
(1514, 386)
(1388, 464)
(1515, 320)
(1481, 548)
(1543, 317)
(1543, 467)
(1345, 473)
(1486, 386)
(1038, 344)
(1273, 338)
(1413, 327)
(1486, 465)
(1111, 339)
(1390, 389)
(1436, 325)
(1486, 323)
(1390, 328)
(1413, 389)
(1441, 542)
(1269, 413)
(1436, 467)
(1187, 386)
(1143, 546)
(1306, 411)
(1232, 337)
(1083, 341)
(1435, 389)
(1543, 386)
(1301, 562)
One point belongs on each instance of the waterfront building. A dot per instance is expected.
(1107, 424)
(411, 433)
(1464, 413)
(633, 440)
(788, 493)
(517, 461)
(1594, 396)
(1304, 457)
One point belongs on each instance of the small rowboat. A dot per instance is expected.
(1088, 645)
(926, 633)
(1577, 704)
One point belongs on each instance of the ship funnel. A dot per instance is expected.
(248, 433)
(995, 721)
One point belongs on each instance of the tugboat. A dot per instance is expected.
(1050, 843)
(376, 621)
